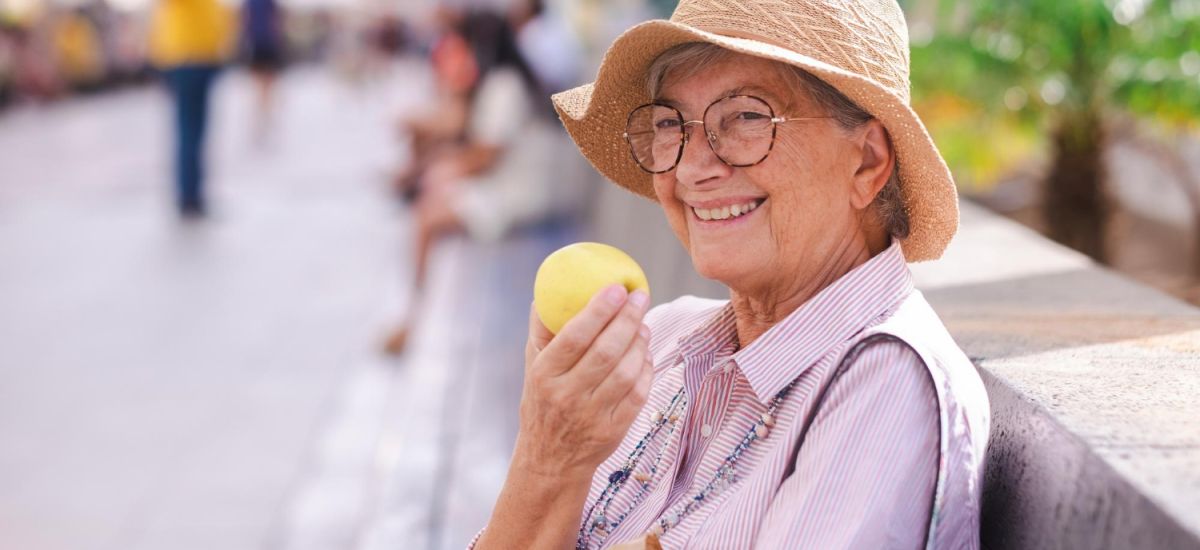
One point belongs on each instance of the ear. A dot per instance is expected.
(875, 166)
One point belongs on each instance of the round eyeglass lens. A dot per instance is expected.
(740, 129)
(655, 133)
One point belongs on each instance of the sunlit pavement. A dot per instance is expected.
(170, 385)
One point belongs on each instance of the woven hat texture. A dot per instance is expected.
(859, 47)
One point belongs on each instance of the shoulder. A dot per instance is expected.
(500, 108)
(503, 83)
(916, 324)
(888, 371)
(956, 384)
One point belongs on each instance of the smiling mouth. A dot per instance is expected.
(727, 212)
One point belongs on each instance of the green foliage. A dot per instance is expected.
(1024, 67)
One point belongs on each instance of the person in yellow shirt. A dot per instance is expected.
(77, 50)
(189, 41)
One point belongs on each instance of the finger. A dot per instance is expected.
(569, 345)
(634, 401)
(623, 376)
(539, 335)
(614, 341)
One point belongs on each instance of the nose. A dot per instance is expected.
(699, 163)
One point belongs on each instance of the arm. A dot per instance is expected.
(536, 510)
(865, 476)
(583, 388)
(477, 158)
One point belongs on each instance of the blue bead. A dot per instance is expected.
(617, 476)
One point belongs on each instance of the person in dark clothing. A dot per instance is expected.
(191, 87)
(264, 45)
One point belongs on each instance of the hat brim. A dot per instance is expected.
(595, 115)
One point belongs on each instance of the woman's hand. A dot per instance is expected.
(584, 386)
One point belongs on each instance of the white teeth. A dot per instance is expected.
(725, 212)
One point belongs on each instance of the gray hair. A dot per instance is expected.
(687, 59)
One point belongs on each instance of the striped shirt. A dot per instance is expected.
(893, 455)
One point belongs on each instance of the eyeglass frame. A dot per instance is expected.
(709, 136)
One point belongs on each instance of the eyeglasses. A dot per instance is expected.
(740, 129)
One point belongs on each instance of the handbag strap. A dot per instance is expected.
(842, 367)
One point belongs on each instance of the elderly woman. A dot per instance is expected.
(823, 405)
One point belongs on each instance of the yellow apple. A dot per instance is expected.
(571, 275)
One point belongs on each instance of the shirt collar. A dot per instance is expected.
(829, 318)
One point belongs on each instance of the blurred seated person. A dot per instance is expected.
(440, 127)
(498, 178)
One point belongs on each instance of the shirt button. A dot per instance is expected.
(728, 368)
(706, 430)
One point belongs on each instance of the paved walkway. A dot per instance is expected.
(161, 384)
(216, 385)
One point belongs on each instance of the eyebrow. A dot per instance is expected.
(747, 89)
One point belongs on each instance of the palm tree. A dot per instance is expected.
(1071, 70)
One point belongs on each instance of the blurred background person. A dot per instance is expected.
(35, 75)
(7, 64)
(263, 43)
(499, 177)
(126, 41)
(440, 127)
(548, 44)
(78, 52)
(189, 41)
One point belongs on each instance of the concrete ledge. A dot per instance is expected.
(1095, 389)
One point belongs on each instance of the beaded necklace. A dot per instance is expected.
(601, 524)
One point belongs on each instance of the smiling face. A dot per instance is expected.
(800, 199)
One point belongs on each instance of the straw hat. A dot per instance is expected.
(859, 47)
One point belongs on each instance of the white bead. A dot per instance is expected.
(761, 431)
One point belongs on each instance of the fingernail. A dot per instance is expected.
(639, 299)
(615, 294)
